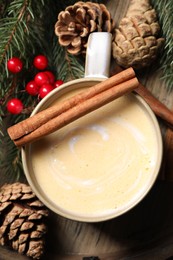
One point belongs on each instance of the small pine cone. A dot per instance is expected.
(79, 20)
(136, 42)
(22, 218)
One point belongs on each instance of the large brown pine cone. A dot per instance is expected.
(136, 42)
(76, 23)
(22, 218)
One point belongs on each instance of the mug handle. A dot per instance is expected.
(98, 55)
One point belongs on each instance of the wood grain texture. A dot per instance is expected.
(168, 154)
(145, 232)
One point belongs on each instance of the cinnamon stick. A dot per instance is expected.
(158, 107)
(32, 123)
(79, 110)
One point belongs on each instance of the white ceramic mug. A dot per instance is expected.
(103, 164)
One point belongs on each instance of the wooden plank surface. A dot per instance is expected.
(145, 232)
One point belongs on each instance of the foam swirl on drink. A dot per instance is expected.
(100, 163)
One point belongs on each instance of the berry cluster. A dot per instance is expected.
(43, 82)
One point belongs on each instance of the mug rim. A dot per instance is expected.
(44, 103)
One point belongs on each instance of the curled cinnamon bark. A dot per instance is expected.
(53, 118)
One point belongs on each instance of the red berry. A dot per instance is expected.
(15, 106)
(32, 88)
(41, 78)
(51, 76)
(45, 89)
(14, 65)
(58, 83)
(40, 62)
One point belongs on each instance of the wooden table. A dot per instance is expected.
(145, 232)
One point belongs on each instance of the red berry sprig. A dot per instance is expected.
(45, 89)
(14, 65)
(40, 62)
(41, 78)
(51, 76)
(15, 106)
(45, 80)
(42, 84)
(58, 83)
(32, 88)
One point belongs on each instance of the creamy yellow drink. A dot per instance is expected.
(100, 163)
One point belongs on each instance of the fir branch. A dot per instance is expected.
(164, 10)
(75, 67)
(27, 29)
(16, 13)
(67, 67)
(11, 164)
(17, 39)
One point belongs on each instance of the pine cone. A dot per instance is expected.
(76, 23)
(22, 218)
(136, 41)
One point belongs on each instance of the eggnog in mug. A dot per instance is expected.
(100, 165)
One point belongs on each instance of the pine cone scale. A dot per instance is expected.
(21, 248)
(23, 238)
(17, 223)
(138, 42)
(5, 198)
(4, 205)
(12, 234)
(35, 247)
(2, 231)
(150, 16)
